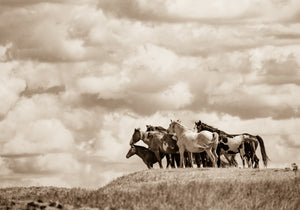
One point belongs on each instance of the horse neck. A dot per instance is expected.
(144, 137)
(210, 129)
(179, 129)
(140, 153)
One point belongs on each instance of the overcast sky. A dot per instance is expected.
(77, 77)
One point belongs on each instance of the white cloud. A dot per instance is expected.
(66, 164)
(175, 97)
(4, 169)
(10, 89)
(40, 137)
(106, 87)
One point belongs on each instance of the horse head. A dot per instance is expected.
(170, 142)
(173, 125)
(136, 136)
(131, 151)
(198, 126)
(149, 128)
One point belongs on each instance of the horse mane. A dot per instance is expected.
(155, 128)
(140, 147)
(210, 128)
(213, 129)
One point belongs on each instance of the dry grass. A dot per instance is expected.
(178, 189)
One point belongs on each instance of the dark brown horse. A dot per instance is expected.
(154, 145)
(246, 149)
(145, 154)
(168, 146)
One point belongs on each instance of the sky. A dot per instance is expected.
(77, 76)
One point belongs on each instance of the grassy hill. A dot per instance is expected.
(174, 189)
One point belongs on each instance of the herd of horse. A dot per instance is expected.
(183, 147)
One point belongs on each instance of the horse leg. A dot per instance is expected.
(177, 160)
(242, 152)
(211, 157)
(197, 159)
(168, 160)
(253, 155)
(249, 160)
(243, 160)
(219, 156)
(158, 158)
(203, 160)
(256, 162)
(227, 158)
(233, 161)
(171, 160)
(181, 151)
(190, 159)
(214, 151)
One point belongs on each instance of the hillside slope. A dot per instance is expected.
(176, 189)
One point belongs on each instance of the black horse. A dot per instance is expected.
(145, 154)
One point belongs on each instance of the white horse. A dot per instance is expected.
(192, 142)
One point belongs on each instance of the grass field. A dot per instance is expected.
(231, 188)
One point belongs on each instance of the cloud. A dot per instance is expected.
(106, 87)
(52, 90)
(4, 168)
(39, 24)
(276, 72)
(10, 88)
(210, 12)
(176, 96)
(42, 136)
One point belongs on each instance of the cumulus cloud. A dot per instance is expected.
(201, 11)
(176, 96)
(42, 136)
(9, 93)
(106, 87)
(4, 168)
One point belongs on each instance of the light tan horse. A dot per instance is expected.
(191, 141)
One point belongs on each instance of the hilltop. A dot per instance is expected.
(231, 188)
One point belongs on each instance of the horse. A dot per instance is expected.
(154, 141)
(171, 141)
(204, 159)
(156, 128)
(191, 141)
(145, 154)
(245, 144)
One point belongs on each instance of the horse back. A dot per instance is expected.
(205, 134)
(204, 138)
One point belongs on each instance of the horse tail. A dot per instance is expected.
(263, 150)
